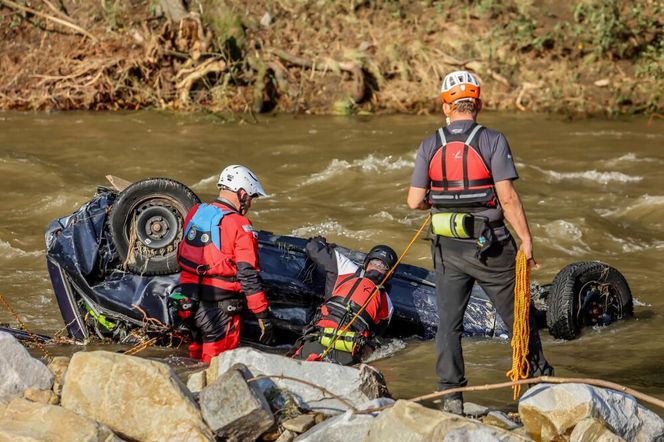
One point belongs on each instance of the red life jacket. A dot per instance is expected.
(349, 295)
(460, 179)
(200, 252)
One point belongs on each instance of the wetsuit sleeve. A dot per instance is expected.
(332, 261)
(323, 255)
(246, 259)
(502, 164)
(320, 252)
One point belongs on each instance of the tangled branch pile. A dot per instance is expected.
(327, 56)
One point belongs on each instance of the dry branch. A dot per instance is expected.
(66, 23)
(193, 75)
(549, 380)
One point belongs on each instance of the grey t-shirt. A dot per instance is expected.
(495, 151)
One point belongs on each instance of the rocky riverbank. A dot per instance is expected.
(357, 56)
(248, 395)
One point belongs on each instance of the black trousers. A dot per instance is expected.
(457, 268)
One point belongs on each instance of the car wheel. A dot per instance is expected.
(586, 294)
(146, 224)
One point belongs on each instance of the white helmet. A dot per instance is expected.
(236, 177)
(459, 86)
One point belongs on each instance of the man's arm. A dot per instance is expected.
(332, 262)
(320, 252)
(516, 216)
(416, 199)
(246, 257)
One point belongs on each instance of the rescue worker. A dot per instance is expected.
(464, 174)
(347, 288)
(219, 260)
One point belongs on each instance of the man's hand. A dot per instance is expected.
(527, 248)
(267, 330)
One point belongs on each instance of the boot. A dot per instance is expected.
(453, 403)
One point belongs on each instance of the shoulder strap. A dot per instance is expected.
(443, 154)
(208, 216)
(466, 147)
(473, 133)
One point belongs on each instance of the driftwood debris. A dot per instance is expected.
(118, 184)
(358, 92)
(60, 21)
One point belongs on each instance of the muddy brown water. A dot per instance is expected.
(593, 190)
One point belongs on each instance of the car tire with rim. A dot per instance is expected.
(585, 294)
(146, 224)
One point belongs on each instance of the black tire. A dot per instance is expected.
(155, 208)
(586, 293)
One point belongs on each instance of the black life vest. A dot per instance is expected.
(348, 297)
(460, 179)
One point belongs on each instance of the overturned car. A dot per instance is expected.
(113, 265)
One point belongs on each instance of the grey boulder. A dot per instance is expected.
(234, 409)
(20, 371)
(345, 427)
(355, 386)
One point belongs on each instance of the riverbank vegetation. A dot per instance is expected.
(591, 57)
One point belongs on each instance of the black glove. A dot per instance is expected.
(267, 328)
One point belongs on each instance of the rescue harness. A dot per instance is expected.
(461, 184)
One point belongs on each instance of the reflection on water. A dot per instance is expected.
(592, 189)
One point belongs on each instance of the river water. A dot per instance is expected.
(593, 190)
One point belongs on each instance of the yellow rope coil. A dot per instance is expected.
(521, 330)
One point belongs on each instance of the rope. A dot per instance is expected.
(521, 329)
(376, 289)
(11, 310)
(548, 380)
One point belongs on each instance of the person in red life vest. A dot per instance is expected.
(347, 288)
(464, 174)
(219, 260)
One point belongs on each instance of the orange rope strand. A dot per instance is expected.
(5, 303)
(521, 329)
(375, 290)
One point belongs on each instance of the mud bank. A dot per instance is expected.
(329, 57)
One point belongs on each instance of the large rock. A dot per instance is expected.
(356, 386)
(552, 411)
(137, 398)
(593, 430)
(58, 367)
(41, 396)
(23, 420)
(196, 381)
(20, 371)
(345, 427)
(233, 409)
(408, 421)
